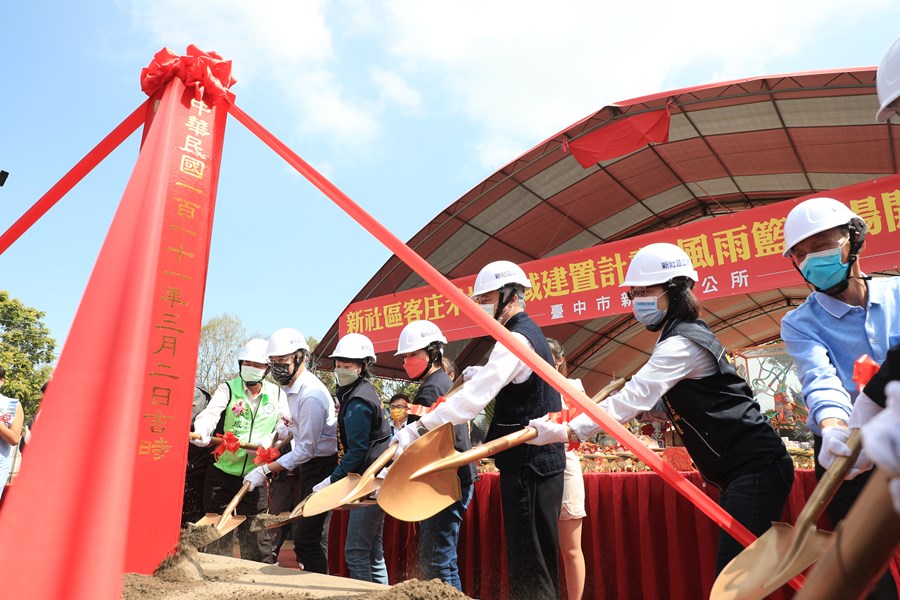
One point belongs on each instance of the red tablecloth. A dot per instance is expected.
(641, 539)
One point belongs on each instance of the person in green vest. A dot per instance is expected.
(249, 407)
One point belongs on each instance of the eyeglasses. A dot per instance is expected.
(282, 360)
(399, 406)
(639, 292)
(798, 255)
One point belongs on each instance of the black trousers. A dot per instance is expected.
(531, 525)
(284, 495)
(838, 508)
(309, 531)
(218, 490)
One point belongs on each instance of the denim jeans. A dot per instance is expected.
(438, 539)
(755, 500)
(363, 549)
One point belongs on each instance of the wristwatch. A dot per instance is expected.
(421, 429)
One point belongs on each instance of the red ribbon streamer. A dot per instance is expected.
(419, 410)
(207, 72)
(230, 443)
(266, 455)
(863, 370)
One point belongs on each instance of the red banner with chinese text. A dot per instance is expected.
(739, 253)
(190, 142)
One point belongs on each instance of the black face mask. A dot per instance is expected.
(282, 374)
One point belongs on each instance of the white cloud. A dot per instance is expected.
(395, 89)
(525, 69)
(518, 71)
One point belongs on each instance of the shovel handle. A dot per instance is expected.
(830, 482)
(229, 510)
(504, 443)
(485, 450)
(380, 463)
(217, 440)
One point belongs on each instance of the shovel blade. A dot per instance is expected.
(229, 524)
(268, 521)
(348, 489)
(409, 499)
(749, 575)
(208, 519)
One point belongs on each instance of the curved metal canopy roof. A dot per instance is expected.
(731, 146)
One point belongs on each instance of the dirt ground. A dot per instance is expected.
(200, 576)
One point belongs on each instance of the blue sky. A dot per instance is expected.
(405, 105)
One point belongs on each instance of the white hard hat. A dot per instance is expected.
(355, 346)
(286, 341)
(255, 351)
(495, 275)
(887, 82)
(658, 263)
(814, 216)
(418, 335)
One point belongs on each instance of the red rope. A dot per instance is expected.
(544, 370)
(70, 179)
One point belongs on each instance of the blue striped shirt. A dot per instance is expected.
(825, 336)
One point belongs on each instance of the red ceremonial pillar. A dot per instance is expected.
(190, 135)
(112, 436)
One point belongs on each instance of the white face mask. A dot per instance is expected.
(647, 311)
(252, 374)
(490, 309)
(345, 376)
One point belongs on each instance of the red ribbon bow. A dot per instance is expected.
(230, 443)
(207, 72)
(266, 455)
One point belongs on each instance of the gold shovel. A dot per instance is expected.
(864, 544)
(353, 488)
(228, 521)
(783, 552)
(423, 481)
(350, 488)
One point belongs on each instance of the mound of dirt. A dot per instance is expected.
(190, 575)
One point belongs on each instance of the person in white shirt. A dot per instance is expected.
(689, 379)
(531, 478)
(249, 407)
(312, 421)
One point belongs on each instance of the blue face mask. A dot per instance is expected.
(647, 312)
(824, 269)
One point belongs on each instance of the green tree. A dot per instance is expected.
(27, 351)
(221, 339)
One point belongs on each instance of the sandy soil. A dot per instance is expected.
(200, 576)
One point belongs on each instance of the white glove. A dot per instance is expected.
(863, 411)
(834, 444)
(548, 432)
(281, 430)
(404, 438)
(204, 441)
(322, 484)
(881, 435)
(265, 442)
(382, 473)
(257, 477)
(469, 372)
